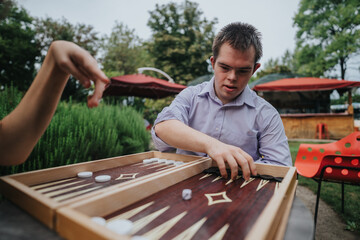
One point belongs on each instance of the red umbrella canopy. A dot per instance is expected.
(141, 85)
(305, 84)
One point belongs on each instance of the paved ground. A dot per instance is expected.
(329, 224)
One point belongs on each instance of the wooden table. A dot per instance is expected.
(264, 216)
(16, 224)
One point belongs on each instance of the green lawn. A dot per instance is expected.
(331, 194)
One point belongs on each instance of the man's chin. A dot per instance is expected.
(228, 98)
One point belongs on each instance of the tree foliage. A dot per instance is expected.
(328, 35)
(18, 48)
(284, 64)
(272, 69)
(154, 106)
(123, 52)
(49, 30)
(182, 40)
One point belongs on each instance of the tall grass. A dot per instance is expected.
(9, 99)
(77, 134)
(331, 194)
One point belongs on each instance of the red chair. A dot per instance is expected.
(336, 162)
(321, 131)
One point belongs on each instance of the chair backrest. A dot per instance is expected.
(309, 158)
(341, 168)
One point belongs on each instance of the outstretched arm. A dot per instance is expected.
(178, 134)
(22, 128)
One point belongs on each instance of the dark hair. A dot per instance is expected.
(239, 36)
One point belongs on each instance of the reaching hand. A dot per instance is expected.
(76, 61)
(18, 137)
(223, 153)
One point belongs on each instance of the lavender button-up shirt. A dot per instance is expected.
(248, 122)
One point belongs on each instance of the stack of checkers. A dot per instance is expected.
(216, 171)
(119, 226)
(164, 161)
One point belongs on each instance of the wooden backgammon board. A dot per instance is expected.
(41, 193)
(219, 208)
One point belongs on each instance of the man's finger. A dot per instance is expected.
(234, 167)
(222, 167)
(242, 161)
(253, 167)
(250, 161)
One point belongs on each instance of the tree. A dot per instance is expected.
(328, 35)
(123, 52)
(154, 106)
(182, 40)
(310, 60)
(284, 64)
(49, 30)
(5, 8)
(272, 69)
(18, 48)
(288, 60)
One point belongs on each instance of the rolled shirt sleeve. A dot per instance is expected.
(178, 110)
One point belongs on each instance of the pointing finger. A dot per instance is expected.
(93, 101)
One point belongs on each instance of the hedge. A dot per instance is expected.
(77, 134)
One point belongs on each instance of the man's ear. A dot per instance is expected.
(212, 59)
(256, 67)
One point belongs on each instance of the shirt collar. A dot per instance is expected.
(208, 89)
(245, 97)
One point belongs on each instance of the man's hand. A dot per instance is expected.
(76, 61)
(223, 153)
(179, 135)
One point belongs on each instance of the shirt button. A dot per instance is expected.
(217, 129)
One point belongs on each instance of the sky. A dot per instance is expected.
(273, 18)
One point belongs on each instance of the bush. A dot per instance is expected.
(77, 134)
(9, 99)
(154, 106)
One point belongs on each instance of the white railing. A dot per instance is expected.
(140, 70)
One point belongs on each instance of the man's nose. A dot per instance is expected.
(231, 75)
